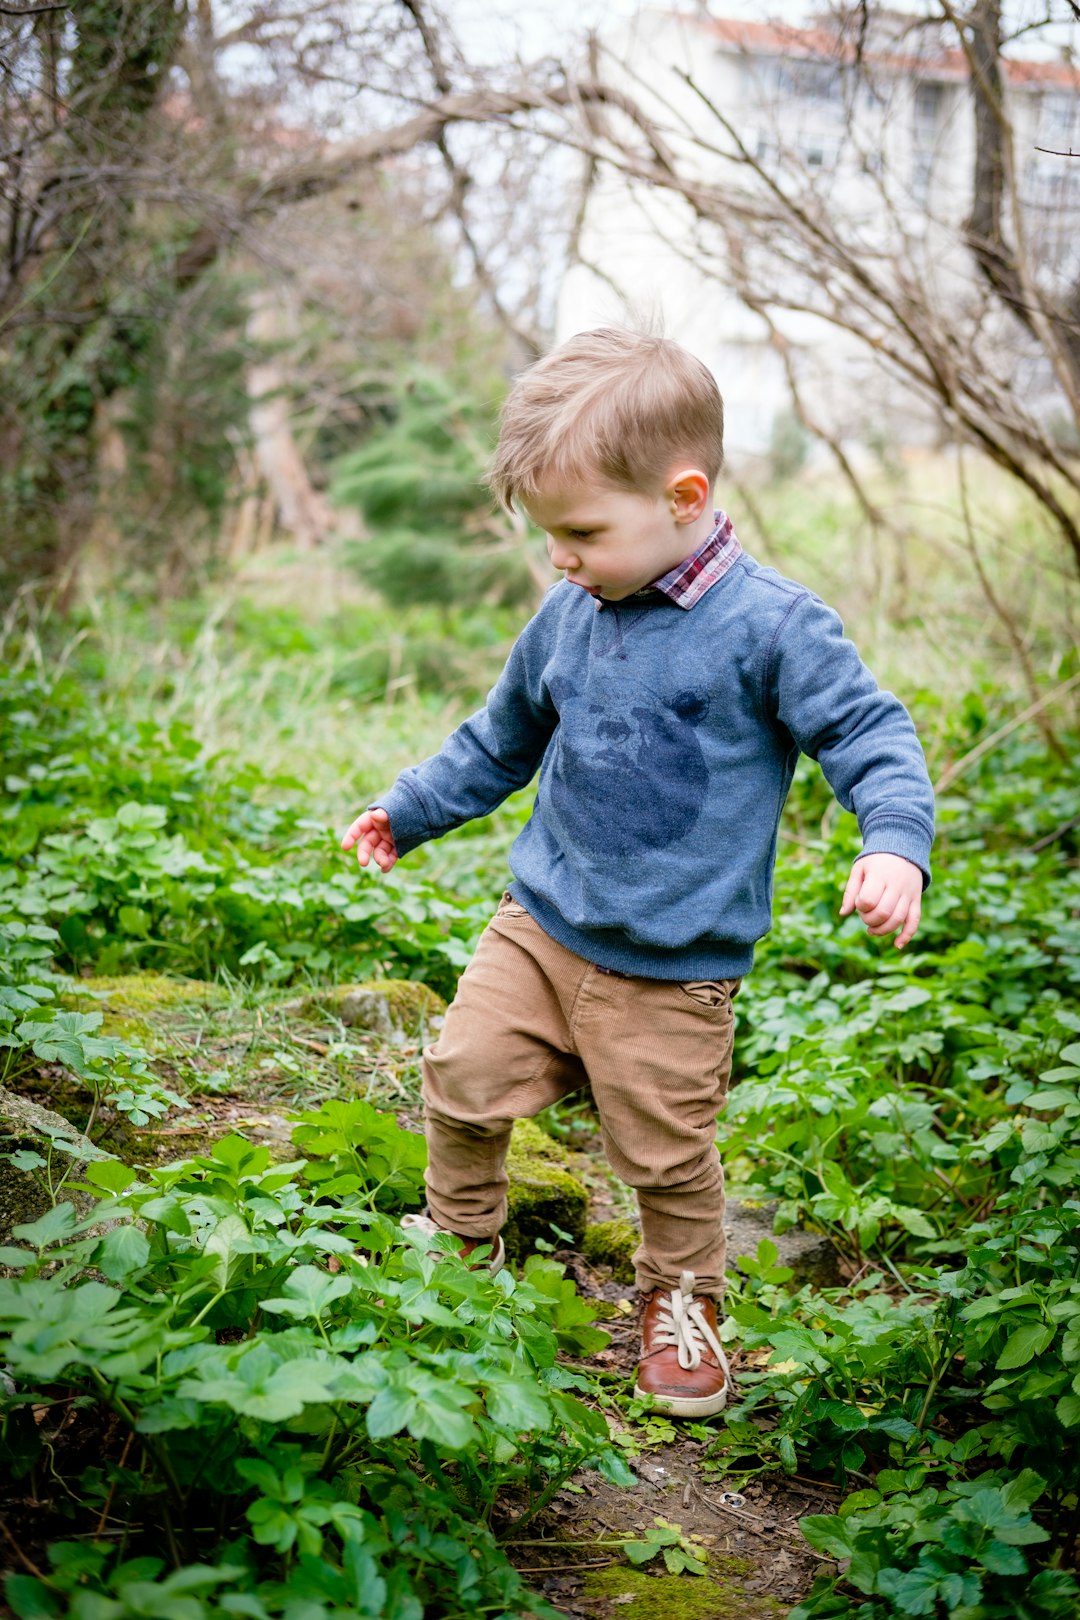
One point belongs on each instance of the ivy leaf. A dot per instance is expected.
(122, 1250)
(913, 1221)
(829, 1535)
(1068, 1411)
(111, 1175)
(58, 1222)
(680, 1561)
(440, 1414)
(224, 1241)
(390, 1412)
(1003, 1560)
(914, 1592)
(1024, 1344)
(639, 1552)
(66, 1038)
(518, 1405)
(254, 1390)
(1023, 1491)
(846, 1418)
(308, 1291)
(30, 1600)
(25, 1159)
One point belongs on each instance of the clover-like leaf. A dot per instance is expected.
(308, 1292)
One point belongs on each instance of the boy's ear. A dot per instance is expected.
(688, 492)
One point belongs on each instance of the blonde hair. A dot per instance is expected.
(615, 404)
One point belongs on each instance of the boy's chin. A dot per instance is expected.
(606, 593)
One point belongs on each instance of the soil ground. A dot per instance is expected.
(758, 1561)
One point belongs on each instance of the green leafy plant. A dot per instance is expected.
(681, 1553)
(326, 1411)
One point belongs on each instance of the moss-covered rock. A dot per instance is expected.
(150, 992)
(543, 1191)
(26, 1126)
(136, 1005)
(681, 1597)
(385, 1006)
(612, 1243)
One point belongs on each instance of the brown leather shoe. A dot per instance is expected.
(683, 1369)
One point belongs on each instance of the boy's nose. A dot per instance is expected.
(562, 556)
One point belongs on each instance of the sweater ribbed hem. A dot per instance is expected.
(409, 824)
(899, 835)
(727, 960)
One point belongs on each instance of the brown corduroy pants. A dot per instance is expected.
(532, 1022)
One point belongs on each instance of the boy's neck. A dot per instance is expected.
(696, 534)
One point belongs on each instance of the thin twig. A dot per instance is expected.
(102, 1521)
(549, 1569)
(26, 1562)
(1052, 837)
(1012, 629)
(988, 744)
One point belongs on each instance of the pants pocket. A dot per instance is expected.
(710, 992)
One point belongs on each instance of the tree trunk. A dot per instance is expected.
(302, 511)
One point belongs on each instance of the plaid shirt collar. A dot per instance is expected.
(688, 581)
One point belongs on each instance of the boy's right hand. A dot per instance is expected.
(372, 837)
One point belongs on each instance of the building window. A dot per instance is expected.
(787, 78)
(1057, 118)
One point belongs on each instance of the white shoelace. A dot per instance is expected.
(681, 1322)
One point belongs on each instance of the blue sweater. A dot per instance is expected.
(666, 740)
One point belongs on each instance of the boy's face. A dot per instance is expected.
(613, 542)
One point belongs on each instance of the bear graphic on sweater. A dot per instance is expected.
(627, 772)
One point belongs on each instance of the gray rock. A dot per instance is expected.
(25, 1124)
(397, 1010)
(810, 1255)
(367, 1009)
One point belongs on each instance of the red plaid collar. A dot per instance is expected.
(688, 581)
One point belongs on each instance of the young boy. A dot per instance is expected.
(664, 689)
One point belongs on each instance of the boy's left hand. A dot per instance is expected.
(886, 891)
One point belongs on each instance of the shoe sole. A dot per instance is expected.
(684, 1405)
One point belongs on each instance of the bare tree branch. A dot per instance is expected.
(460, 183)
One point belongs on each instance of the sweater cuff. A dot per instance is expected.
(899, 835)
(408, 822)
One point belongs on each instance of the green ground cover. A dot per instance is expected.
(282, 1438)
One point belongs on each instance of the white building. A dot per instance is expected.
(879, 136)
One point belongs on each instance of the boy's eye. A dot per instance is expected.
(579, 534)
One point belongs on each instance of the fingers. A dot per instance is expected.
(369, 821)
(377, 846)
(384, 854)
(372, 839)
(361, 825)
(888, 914)
(884, 901)
(913, 918)
(854, 882)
